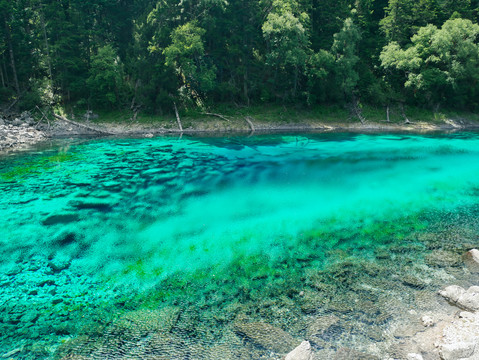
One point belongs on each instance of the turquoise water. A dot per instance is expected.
(136, 248)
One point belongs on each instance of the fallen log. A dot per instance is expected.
(250, 123)
(91, 128)
(178, 120)
(403, 113)
(217, 115)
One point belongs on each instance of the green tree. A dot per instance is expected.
(186, 54)
(105, 81)
(345, 51)
(404, 18)
(288, 47)
(442, 65)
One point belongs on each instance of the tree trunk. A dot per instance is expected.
(133, 101)
(250, 123)
(387, 113)
(12, 57)
(245, 86)
(88, 127)
(4, 62)
(3, 79)
(403, 113)
(357, 110)
(47, 46)
(178, 120)
(295, 81)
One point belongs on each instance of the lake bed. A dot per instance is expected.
(195, 248)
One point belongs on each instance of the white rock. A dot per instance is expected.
(460, 339)
(466, 299)
(427, 321)
(474, 255)
(413, 356)
(302, 352)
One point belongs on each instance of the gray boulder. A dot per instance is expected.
(465, 299)
(90, 115)
(17, 122)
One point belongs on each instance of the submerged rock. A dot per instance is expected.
(442, 258)
(413, 281)
(136, 324)
(320, 326)
(302, 352)
(465, 299)
(75, 348)
(311, 301)
(349, 354)
(60, 219)
(167, 345)
(266, 336)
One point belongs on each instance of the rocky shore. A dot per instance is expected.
(19, 132)
(448, 335)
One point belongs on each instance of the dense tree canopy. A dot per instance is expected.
(441, 65)
(150, 54)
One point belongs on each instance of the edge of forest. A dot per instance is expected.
(271, 118)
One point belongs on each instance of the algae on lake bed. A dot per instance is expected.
(135, 248)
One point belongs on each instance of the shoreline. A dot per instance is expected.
(22, 132)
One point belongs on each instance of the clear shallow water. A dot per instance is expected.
(136, 248)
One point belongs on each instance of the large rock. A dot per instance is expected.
(465, 299)
(460, 340)
(62, 219)
(302, 352)
(266, 336)
(472, 260)
(474, 255)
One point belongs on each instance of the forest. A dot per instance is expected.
(153, 54)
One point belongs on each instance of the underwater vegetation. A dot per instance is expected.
(195, 248)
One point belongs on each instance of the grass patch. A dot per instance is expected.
(276, 114)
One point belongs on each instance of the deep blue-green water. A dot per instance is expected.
(164, 248)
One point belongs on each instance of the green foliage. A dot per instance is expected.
(186, 55)
(148, 54)
(105, 80)
(345, 50)
(441, 64)
(288, 47)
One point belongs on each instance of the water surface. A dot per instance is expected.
(136, 248)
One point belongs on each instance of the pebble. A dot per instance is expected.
(427, 321)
